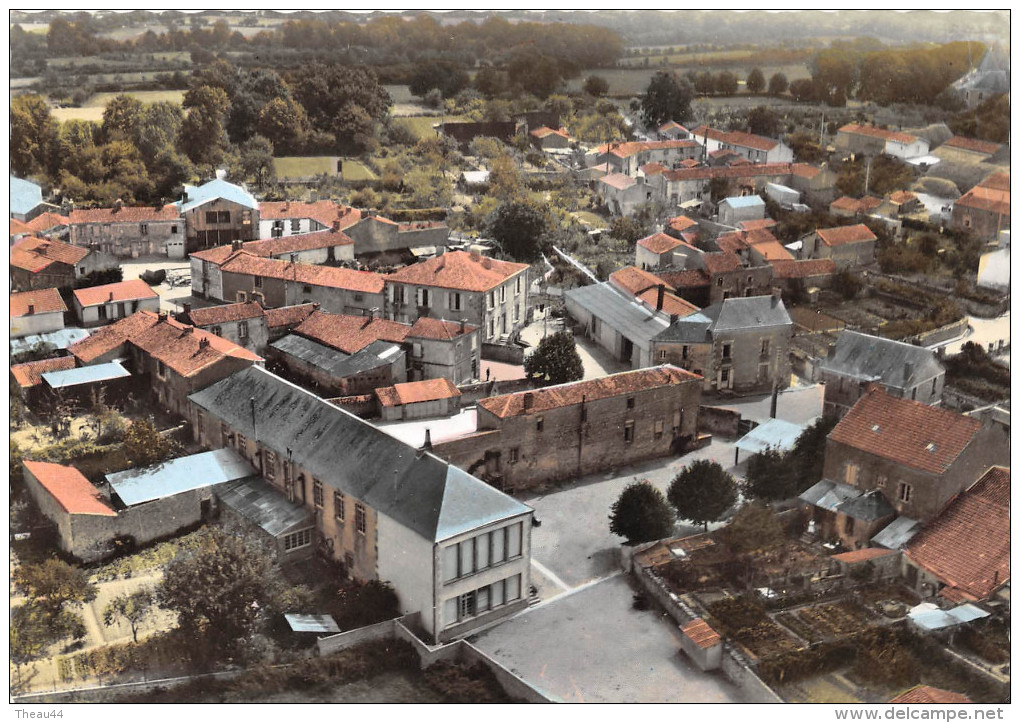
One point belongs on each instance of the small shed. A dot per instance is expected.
(415, 400)
(316, 624)
(783, 195)
(735, 209)
(885, 563)
(774, 434)
(702, 644)
(78, 383)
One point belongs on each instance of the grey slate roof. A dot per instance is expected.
(622, 313)
(179, 475)
(335, 362)
(870, 506)
(693, 329)
(871, 358)
(747, 312)
(263, 505)
(417, 490)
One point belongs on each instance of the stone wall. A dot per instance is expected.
(471, 393)
(722, 421)
(506, 353)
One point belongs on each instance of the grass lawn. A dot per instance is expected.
(146, 96)
(86, 114)
(421, 126)
(590, 219)
(305, 166)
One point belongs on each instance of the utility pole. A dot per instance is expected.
(867, 177)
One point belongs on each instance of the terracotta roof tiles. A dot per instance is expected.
(429, 328)
(686, 278)
(427, 390)
(799, 269)
(211, 315)
(863, 555)
(107, 338)
(460, 271)
(43, 301)
(927, 695)
(972, 144)
(874, 132)
(329, 276)
(736, 138)
(634, 280)
(984, 198)
(701, 634)
(625, 150)
(563, 395)
(721, 262)
(967, 545)
(125, 214)
(35, 254)
(288, 315)
(905, 431)
(75, 494)
(660, 243)
(30, 374)
(751, 170)
(46, 221)
(758, 223)
(858, 233)
(298, 242)
(348, 333)
(132, 290)
(325, 212)
(681, 223)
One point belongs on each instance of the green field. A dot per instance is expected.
(307, 166)
(94, 107)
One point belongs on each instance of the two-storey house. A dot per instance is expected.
(130, 231)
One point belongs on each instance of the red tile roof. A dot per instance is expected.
(681, 223)
(905, 431)
(20, 228)
(799, 269)
(132, 290)
(686, 279)
(289, 315)
(427, 390)
(806, 170)
(634, 280)
(721, 262)
(43, 301)
(868, 553)
(967, 545)
(428, 328)
(182, 348)
(619, 181)
(228, 312)
(690, 163)
(984, 198)
(736, 138)
(998, 180)
(927, 695)
(856, 205)
(35, 254)
(757, 224)
(46, 221)
(900, 197)
(298, 242)
(972, 144)
(671, 303)
(30, 374)
(874, 132)
(125, 214)
(701, 634)
(670, 125)
(107, 338)
(329, 276)
(773, 251)
(350, 334)
(460, 271)
(625, 150)
(325, 212)
(75, 494)
(731, 242)
(751, 170)
(546, 131)
(654, 169)
(660, 243)
(858, 233)
(563, 395)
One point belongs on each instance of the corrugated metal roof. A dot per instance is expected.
(85, 375)
(417, 490)
(870, 506)
(179, 475)
(264, 506)
(829, 495)
(312, 623)
(774, 434)
(620, 312)
(742, 201)
(60, 339)
(897, 533)
(929, 617)
(213, 190)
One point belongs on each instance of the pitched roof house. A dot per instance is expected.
(96, 305)
(847, 246)
(36, 312)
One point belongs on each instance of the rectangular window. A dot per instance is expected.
(727, 350)
(359, 517)
(850, 473)
(482, 549)
(684, 351)
(455, 301)
(499, 545)
(173, 229)
(295, 225)
(450, 566)
(425, 297)
(242, 445)
(881, 481)
(630, 402)
(466, 559)
(659, 425)
(242, 296)
(904, 492)
(224, 435)
(502, 294)
(143, 229)
(497, 593)
(848, 526)
(513, 541)
(258, 282)
(211, 217)
(492, 328)
(269, 463)
(724, 376)
(160, 369)
(348, 562)
(492, 299)
(224, 217)
(338, 506)
(514, 455)
(934, 384)
(102, 312)
(662, 353)
(217, 330)
(467, 605)
(539, 424)
(628, 432)
(297, 540)
(482, 599)
(513, 588)
(764, 347)
(242, 329)
(317, 494)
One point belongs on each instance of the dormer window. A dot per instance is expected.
(930, 446)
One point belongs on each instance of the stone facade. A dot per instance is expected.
(129, 239)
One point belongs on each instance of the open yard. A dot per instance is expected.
(421, 126)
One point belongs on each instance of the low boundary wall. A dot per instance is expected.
(719, 420)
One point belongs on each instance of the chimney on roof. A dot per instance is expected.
(777, 296)
(111, 298)
(428, 440)
(336, 224)
(203, 343)
(188, 330)
(315, 305)
(118, 205)
(235, 245)
(908, 370)
(462, 323)
(293, 258)
(31, 310)
(373, 312)
(529, 400)
(187, 308)
(221, 174)
(486, 263)
(660, 296)
(161, 316)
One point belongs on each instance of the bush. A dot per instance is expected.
(460, 684)
(847, 284)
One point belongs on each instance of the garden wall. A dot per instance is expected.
(719, 420)
(937, 336)
(506, 353)
(471, 393)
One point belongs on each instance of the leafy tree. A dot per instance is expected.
(847, 284)
(754, 528)
(666, 98)
(726, 83)
(763, 121)
(491, 81)
(121, 117)
(33, 143)
(627, 229)
(428, 188)
(534, 73)
(519, 227)
(203, 137)
(447, 77)
(144, 445)
(755, 81)
(256, 161)
(284, 122)
(252, 92)
(596, 85)
(704, 83)
(344, 101)
(365, 604)
(778, 84)
(555, 360)
(641, 513)
(805, 148)
(30, 634)
(505, 180)
(803, 89)
(488, 148)
(216, 590)
(808, 454)
(132, 608)
(53, 582)
(702, 492)
(770, 476)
